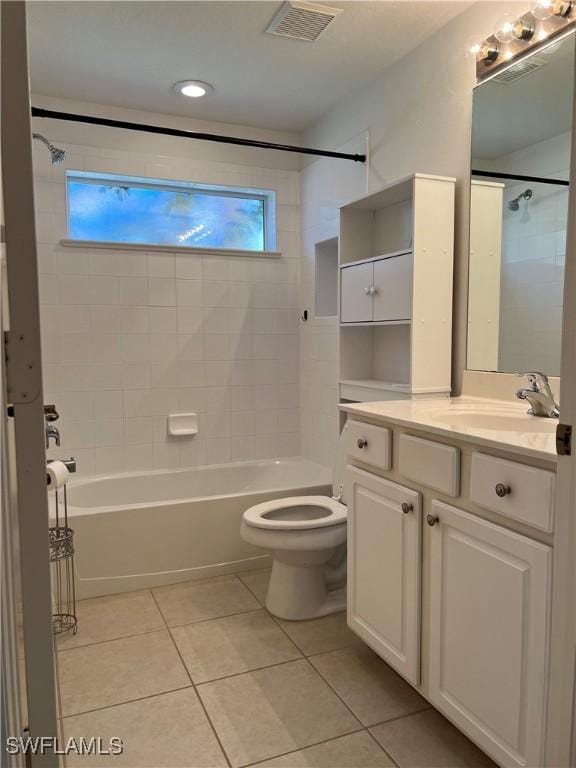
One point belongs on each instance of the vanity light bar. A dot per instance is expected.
(548, 22)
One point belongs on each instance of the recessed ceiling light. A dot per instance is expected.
(194, 89)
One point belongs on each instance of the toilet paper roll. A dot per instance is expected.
(56, 474)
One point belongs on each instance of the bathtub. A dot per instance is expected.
(142, 530)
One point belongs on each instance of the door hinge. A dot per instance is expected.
(564, 440)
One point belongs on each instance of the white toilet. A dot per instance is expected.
(306, 536)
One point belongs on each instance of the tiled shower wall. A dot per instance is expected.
(130, 336)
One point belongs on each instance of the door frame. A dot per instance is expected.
(24, 380)
(561, 735)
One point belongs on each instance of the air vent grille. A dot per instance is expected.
(302, 21)
(521, 69)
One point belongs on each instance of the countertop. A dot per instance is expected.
(429, 416)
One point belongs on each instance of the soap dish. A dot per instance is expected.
(182, 424)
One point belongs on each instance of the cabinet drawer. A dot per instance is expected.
(429, 463)
(527, 492)
(370, 444)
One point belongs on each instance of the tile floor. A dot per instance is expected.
(199, 675)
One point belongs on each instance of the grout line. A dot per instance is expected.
(208, 718)
(400, 717)
(112, 640)
(301, 749)
(214, 618)
(115, 594)
(388, 755)
(128, 701)
(249, 671)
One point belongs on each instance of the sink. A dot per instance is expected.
(495, 420)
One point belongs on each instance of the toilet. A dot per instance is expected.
(306, 537)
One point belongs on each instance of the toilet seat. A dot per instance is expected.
(330, 512)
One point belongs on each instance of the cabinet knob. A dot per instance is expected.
(361, 443)
(373, 290)
(432, 520)
(368, 290)
(406, 507)
(502, 490)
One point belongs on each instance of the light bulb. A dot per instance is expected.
(504, 31)
(474, 45)
(489, 51)
(523, 29)
(542, 9)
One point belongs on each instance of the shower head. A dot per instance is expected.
(514, 205)
(56, 155)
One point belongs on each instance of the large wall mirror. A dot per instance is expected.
(521, 137)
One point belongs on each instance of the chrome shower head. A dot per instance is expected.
(56, 155)
(514, 205)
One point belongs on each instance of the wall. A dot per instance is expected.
(418, 113)
(130, 336)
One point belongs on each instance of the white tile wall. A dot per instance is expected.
(131, 336)
(325, 186)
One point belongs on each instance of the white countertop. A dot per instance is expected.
(529, 436)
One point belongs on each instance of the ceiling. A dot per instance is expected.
(535, 107)
(130, 53)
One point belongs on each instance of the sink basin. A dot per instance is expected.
(496, 421)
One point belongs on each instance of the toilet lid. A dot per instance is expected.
(340, 462)
(296, 513)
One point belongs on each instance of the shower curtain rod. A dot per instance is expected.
(520, 177)
(127, 126)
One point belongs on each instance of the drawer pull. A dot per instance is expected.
(502, 490)
(361, 442)
(432, 520)
(406, 507)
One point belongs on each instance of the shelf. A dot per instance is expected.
(391, 255)
(376, 323)
(367, 390)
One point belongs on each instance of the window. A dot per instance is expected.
(125, 209)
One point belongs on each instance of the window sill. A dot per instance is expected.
(112, 246)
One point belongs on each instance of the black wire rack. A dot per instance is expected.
(61, 542)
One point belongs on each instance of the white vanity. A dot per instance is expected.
(450, 536)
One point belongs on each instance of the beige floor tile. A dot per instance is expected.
(358, 750)
(257, 582)
(118, 671)
(266, 713)
(201, 600)
(428, 740)
(108, 618)
(372, 690)
(329, 633)
(222, 647)
(170, 731)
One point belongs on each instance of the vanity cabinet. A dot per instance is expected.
(384, 532)
(489, 591)
(455, 592)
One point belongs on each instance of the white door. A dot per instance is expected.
(384, 561)
(356, 290)
(489, 610)
(393, 288)
(24, 442)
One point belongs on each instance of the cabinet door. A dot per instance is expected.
(384, 561)
(356, 293)
(393, 288)
(489, 602)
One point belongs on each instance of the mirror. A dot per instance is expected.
(521, 135)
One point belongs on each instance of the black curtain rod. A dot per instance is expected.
(91, 120)
(520, 177)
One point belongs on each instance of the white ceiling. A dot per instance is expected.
(130, 54)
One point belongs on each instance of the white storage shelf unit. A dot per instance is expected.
(395, 298)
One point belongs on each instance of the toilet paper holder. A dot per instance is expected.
(70, 463)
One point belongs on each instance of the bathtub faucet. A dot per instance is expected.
(52, 433)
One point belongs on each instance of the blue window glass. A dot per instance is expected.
(124, 210)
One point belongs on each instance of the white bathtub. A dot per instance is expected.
(146, 529)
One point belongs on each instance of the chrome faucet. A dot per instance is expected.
(52, 433)
(539, 395)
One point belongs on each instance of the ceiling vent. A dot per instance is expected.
(301, 20)
(522, 68)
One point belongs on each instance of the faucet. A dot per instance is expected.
(539, 395)
(52, 433)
